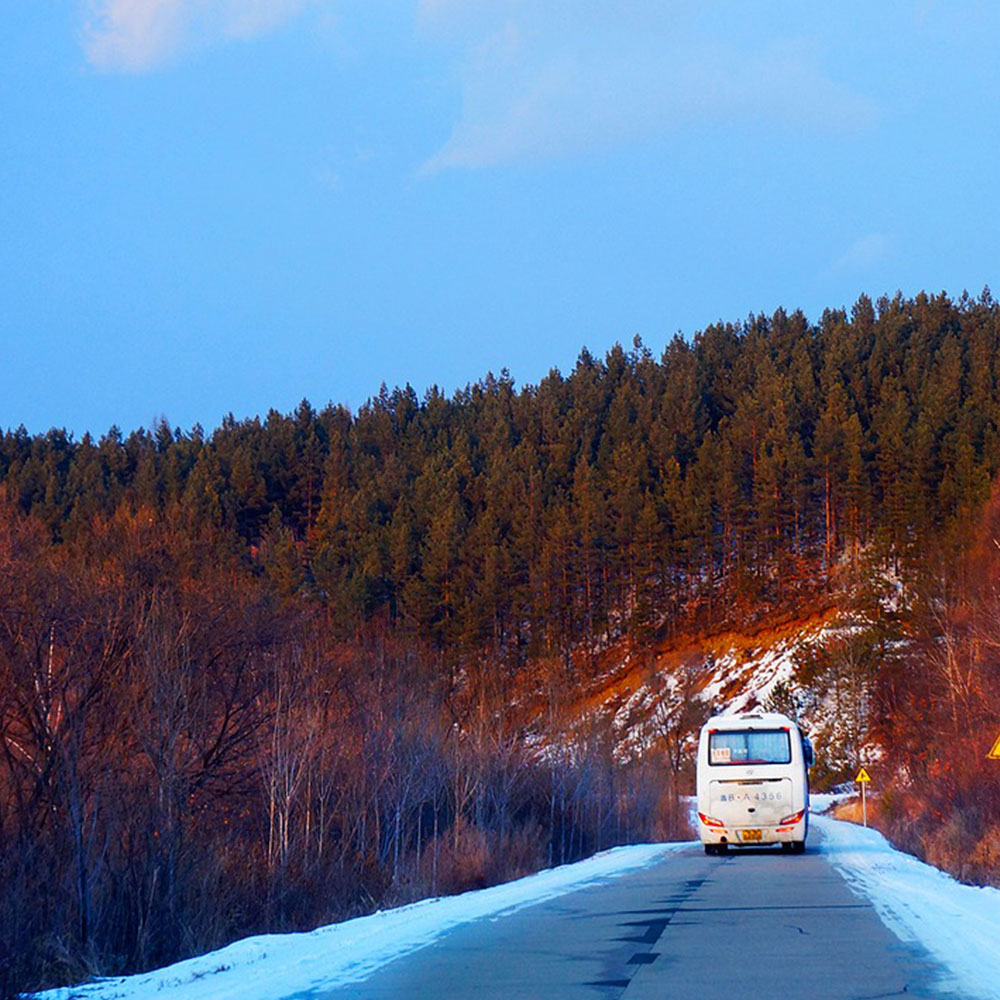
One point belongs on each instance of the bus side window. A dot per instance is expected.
(807, 751)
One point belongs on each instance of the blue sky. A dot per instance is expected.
(227, 205)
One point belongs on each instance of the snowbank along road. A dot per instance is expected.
(852, 919)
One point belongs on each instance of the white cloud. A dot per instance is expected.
(246, 18)
(542, 79)
(548, 80)
(863, 254)
(138, 35)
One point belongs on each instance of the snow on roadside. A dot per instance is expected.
(958, 924)
(821, 802)
(349, 951)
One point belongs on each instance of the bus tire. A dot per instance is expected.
(798, 847)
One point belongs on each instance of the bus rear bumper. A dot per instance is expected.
(753, 836)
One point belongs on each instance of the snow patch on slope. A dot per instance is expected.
(730, 681)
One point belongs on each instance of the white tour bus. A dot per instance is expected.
(753, 782)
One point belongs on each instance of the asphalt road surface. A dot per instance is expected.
(754, 924)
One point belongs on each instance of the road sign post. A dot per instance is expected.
(863, 779)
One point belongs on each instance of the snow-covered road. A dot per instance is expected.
(347, 952)
(958, 925)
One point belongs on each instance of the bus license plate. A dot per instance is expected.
(746, 835)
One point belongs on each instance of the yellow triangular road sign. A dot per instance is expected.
(863, 776)
(995, 752)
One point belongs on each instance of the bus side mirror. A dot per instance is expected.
(807, 752)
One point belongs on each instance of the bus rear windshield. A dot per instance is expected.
(749, 746)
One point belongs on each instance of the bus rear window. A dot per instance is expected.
(749, 746)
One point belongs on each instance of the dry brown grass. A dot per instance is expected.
(851, 811)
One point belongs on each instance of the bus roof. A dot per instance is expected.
(751, 720)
